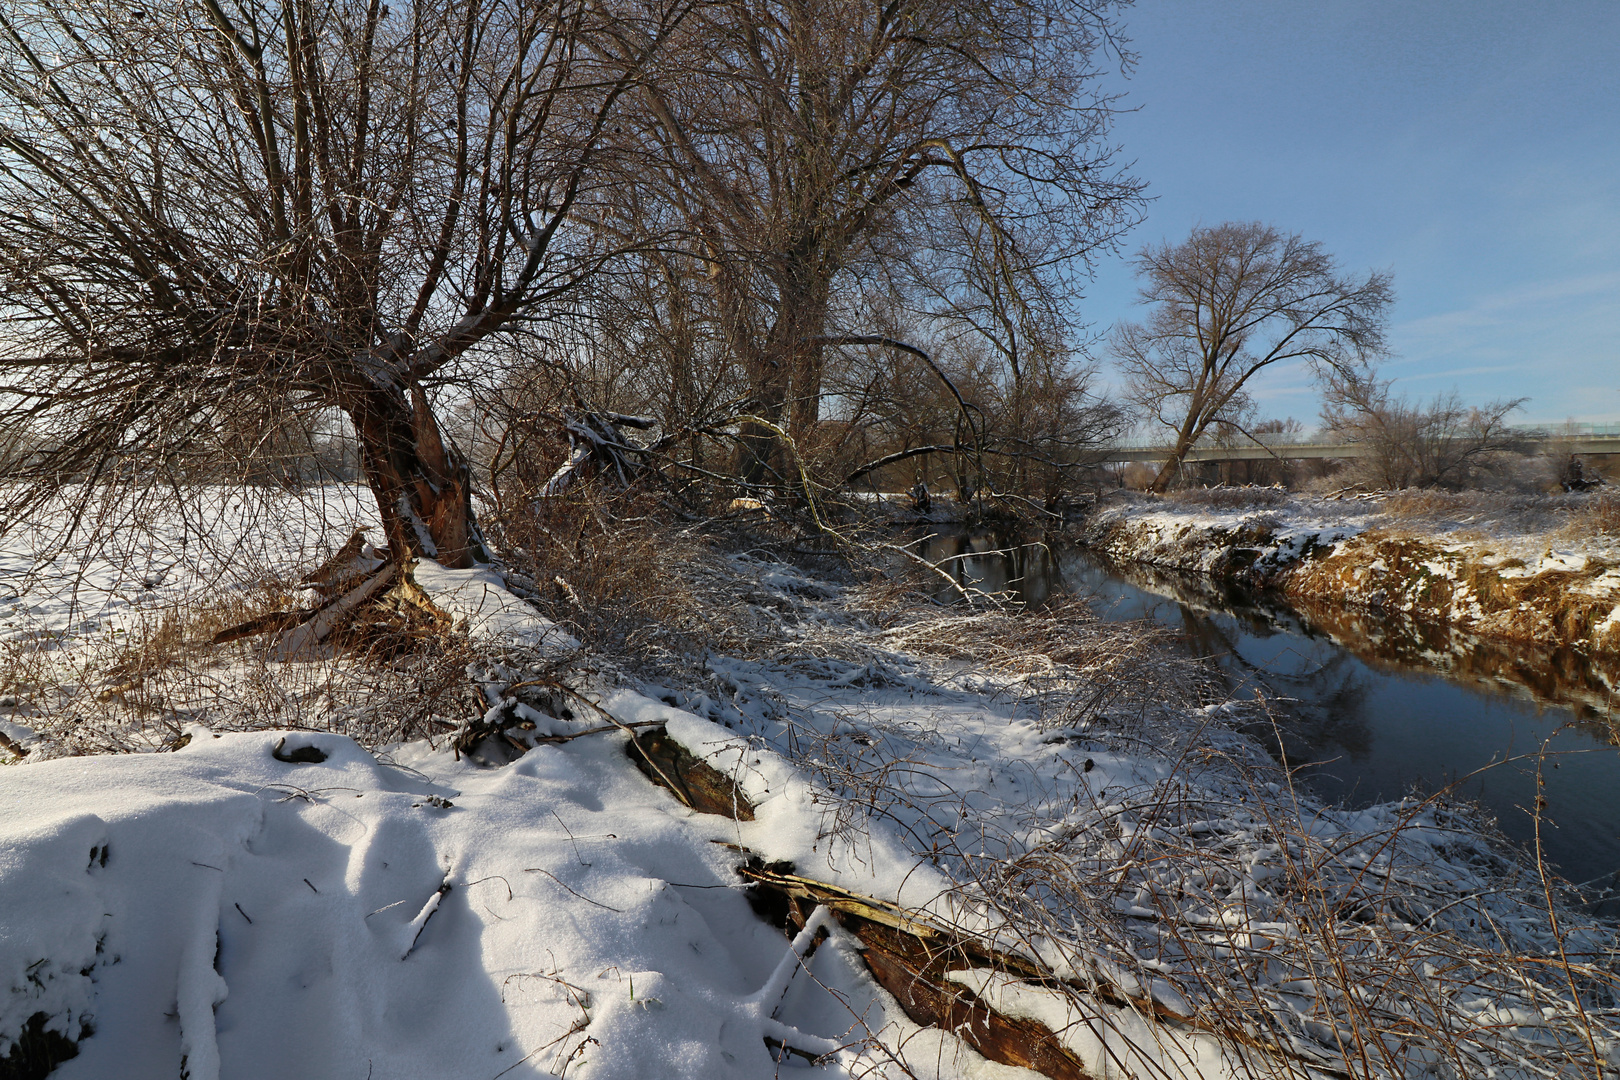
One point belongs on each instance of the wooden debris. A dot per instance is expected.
(909, 954)
(356, 613)
(909, 957)
(315, 629)
(596, 441)
(352, 563)
(324, 614)
(11, 746)
(274, 622)
(693, 781)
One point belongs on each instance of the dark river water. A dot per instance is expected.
(1376, 708)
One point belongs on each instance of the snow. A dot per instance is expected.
(479, 603)
(399, 911)
(340, 950)
(1111, 1042)
(1523, 536)
(1196, 537)
(1440, 562)
(222, 539)
(220, 912)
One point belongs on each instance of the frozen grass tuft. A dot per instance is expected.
(1596, 513)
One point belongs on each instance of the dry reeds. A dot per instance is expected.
(1595, 514)
(1197, 904)
(602, 564)
(139, 665)
(1309, 942)
(106, 695)
(1427, 503)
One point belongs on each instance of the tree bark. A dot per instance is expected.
(422, 485)
(1167, 474)
(785, 371)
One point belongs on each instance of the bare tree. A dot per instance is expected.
(1409, 444)
(1230, 301)
(804, 144)
(226, 214)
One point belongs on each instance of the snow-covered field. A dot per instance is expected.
(392, 910)
(1536, 568)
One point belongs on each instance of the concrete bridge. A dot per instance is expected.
(1529, 443)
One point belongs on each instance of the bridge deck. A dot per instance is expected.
(1578, 444)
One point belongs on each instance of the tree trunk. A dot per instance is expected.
(785, 375)
(788, 390)
(422, 485)
(784, 365)
(1184, 442)
(800, 323)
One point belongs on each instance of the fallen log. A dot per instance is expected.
(693, 781)
(319, 626)
(907, 954)
(280, 621)
(299, 631)
(909, 957)
(352, 563)
(910, 953)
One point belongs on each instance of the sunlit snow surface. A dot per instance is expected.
(122, 562)
(577, 892)
(250, 917)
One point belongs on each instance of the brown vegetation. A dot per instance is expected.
(390, 677)
(1464, 587)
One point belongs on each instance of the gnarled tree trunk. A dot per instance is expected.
(422, 484)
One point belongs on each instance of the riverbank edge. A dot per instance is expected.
(1567, 597)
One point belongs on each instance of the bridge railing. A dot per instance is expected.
(1529, 431)
(1580, 438)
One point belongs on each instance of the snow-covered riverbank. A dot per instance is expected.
(1045, 784)
(1544, 569)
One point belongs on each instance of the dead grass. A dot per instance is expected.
(390, 678)
(1230, 498)
(95, 700)
(1558, 517)
(1595, 514)
(1309, 946)
(1070, 665)
(1313, 952)
(1430, 503)
(1310, 942)
(609, 566)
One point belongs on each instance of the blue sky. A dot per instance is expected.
(1470, 148)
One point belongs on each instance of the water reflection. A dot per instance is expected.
(986, 562)
(1373, 707)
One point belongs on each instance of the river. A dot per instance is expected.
(1375, 708)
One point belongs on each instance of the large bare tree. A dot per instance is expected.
(1228, 302)
(808, 146)
(222, 215)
